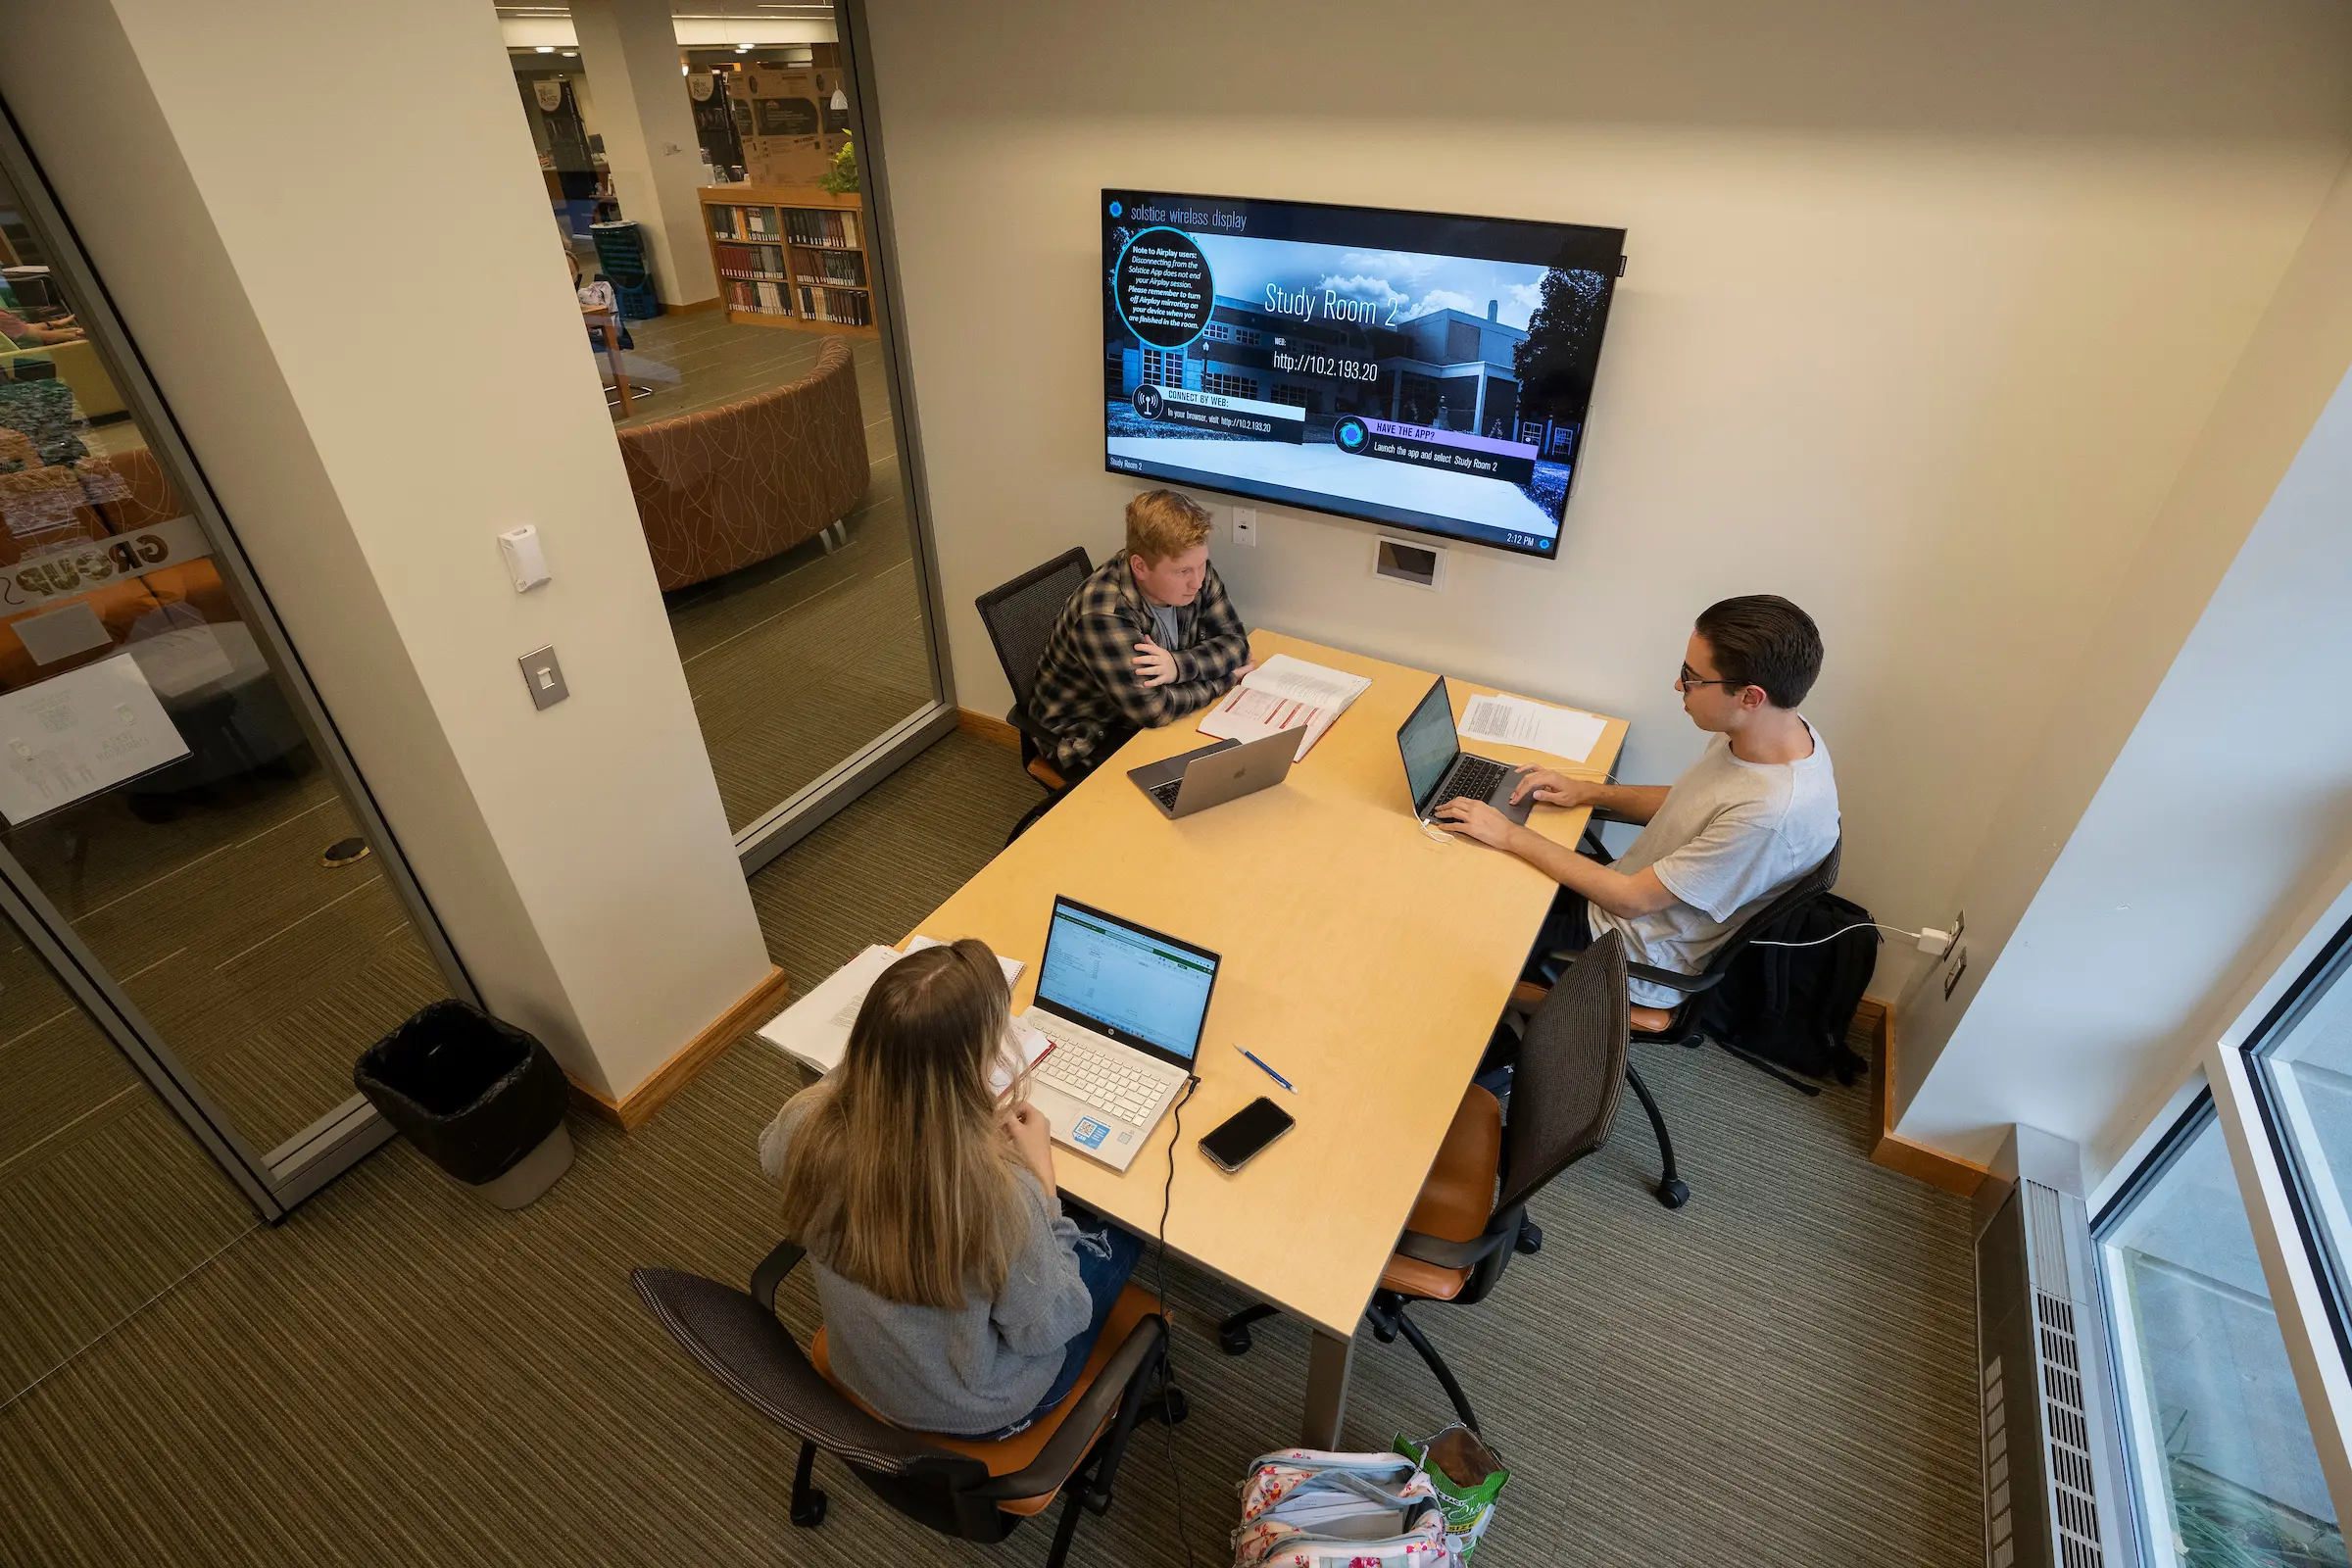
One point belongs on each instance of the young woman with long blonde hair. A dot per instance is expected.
(959, 1296)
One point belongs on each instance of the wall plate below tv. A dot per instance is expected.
(1422, 566)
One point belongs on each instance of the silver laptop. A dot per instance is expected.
(1437, 770)
(1124, 1006)
(1194, 781)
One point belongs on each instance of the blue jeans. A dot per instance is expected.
(1106, 1256)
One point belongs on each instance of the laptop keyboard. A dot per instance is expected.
(1474, 777)
(1165, 794)
(1084, 1070)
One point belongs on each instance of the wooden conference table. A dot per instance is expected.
(1363, 959)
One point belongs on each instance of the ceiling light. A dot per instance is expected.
(742, 48)
(545, 49)
(572, 54)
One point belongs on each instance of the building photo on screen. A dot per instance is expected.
(1417, 369)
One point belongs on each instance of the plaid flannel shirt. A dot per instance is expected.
(1088, 693)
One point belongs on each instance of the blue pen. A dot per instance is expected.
(1263, 1067)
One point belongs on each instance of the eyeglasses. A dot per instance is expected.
(1690, 677)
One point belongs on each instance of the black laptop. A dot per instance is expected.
(1437, 770)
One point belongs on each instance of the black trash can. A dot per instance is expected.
(480, 1098)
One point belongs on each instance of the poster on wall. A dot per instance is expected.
(79, 733)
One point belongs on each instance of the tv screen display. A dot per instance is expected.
(1416, 370)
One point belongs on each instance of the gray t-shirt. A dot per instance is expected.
(962, 1370)
(1165, 628)
(1730, 836)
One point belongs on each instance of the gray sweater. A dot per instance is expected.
(958, 1371)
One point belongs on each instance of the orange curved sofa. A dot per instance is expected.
(723, 488)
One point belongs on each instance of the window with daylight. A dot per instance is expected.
(2223, 1470)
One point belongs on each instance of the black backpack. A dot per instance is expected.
(1791, 1005)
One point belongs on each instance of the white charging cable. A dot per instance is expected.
(1931, 941)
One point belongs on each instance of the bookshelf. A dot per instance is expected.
(791, 256)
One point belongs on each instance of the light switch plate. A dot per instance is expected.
(544, 677)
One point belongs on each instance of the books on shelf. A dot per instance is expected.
(846, 268)
(761, 298)
(722, 221)
(750, 261)
(844, 307)
(821, 228)
(1284, 693)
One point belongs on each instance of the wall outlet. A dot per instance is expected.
(1245, 526)
(1951, 976)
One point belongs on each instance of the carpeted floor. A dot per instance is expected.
(1780, 1373)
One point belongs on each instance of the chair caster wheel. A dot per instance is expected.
(1674, 1194)
(810, 1514)
(1234, 1341)
(1173, 1406)
(1530, 1241)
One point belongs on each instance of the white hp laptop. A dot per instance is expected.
(1124, 1006)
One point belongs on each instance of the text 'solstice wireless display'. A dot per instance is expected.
(1415, 369)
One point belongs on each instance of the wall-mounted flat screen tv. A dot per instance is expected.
(1415, 369)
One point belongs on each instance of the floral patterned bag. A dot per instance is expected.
(1309, 1508)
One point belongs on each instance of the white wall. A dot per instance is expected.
(1923, 308)
(2151, 857)
(647, 122)
(363, 326)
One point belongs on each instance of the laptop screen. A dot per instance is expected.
(1134, 985)
(1429, 744)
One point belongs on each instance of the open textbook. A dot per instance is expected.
(815, 1030)
(1284, 693)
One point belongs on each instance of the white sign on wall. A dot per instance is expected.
(76, 734)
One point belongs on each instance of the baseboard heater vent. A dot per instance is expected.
(2055, 1492)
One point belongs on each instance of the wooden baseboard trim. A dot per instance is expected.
(635, 1108)
(1873, 1020)
(699, 307)
(972, 722)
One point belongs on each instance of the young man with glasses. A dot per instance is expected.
(1757, 811)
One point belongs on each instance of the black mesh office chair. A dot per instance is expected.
(1019, 616)
(972, 1490)
(1679, 1025)
(1472, 1213)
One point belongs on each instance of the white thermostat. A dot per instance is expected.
(524, 559)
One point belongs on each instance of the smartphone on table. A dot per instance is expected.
(1237, 1140)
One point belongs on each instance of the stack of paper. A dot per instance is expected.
(1284, 693)
(815, 1029)
(1539, 726)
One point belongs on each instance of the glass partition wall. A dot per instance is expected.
(763, 431)
(201, 922)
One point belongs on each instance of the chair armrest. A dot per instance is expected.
(1019, 717)
(772, 1269)
(1067, 1448)
(1437, 1251)
(1672, 980)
